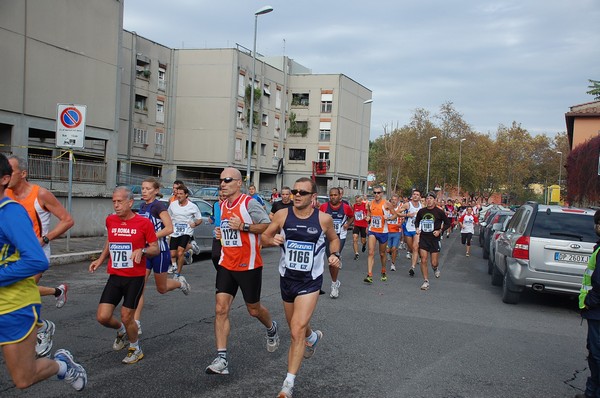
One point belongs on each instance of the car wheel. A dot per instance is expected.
(509, 296)
(496, 276)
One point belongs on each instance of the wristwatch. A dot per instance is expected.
(246, 227)
(144, 251)
(337, 254)
(45, 239)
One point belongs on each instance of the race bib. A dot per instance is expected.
(376, 222)
(337, 225)
(299, 256)
(230, 237)
(427, 225)
(180, 228)
(121, 255)
(359, 215)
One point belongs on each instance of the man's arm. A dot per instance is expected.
(334, 241)
(65, 221)
(271, 236)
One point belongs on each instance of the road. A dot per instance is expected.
(389, 339)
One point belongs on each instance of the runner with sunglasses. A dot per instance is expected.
(379, 212)
(243, 219)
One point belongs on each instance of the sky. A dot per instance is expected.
(525, 61)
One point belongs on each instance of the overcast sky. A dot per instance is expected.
(498, 61)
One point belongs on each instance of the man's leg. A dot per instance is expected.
(222, 324)
(371, 259)
(298, 315)
(25, 370)
(424, 270)
(355, 244)
(383, 256)
(180, 258)
(593, 345)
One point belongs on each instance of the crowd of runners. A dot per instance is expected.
(158, 240)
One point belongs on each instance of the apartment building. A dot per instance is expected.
(583, 122)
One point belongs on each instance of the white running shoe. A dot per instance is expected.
(408, 255)
(185, 286)
(335, 289)
(286, 390)
(436, 272)
(309, 350)
(44, 338)
(188, 257)
(172, 268)
(392, 267)
(76, 375)
(195, 247)
(120, 341)
(273, 341)
(218, 367)
(425, 285)
(62, 298)
(133, 355)
(139, 325)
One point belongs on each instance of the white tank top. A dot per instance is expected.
(410, 221)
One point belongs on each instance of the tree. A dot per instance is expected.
(594, 89)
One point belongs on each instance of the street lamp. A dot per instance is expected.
(361, 146)
(459, 159)
(559, 167)
(429, 163)
(260, 11)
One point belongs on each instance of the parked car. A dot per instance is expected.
(544, 248)
(497, 229)
(484, 221)
(202, 192)
(497, 217)
(203, 234)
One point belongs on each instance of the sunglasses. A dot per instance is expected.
(300, 192)
(227, 180)
(377, 192)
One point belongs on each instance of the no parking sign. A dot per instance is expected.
(70, 126)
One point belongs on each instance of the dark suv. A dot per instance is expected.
(545, 248)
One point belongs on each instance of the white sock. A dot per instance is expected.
(122, 329)
(135, 345)
(62, 369)
(290, 378)
(312, 339)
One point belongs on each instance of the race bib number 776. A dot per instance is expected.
(121, 255)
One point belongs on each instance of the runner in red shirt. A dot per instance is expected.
(360, 224)
(131, 237)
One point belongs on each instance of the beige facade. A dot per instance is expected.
(583, 123)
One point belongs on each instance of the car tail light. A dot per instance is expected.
(497, 235)
(521, 250)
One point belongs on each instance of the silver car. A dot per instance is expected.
(545, 248)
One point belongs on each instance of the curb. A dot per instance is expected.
(69, 258)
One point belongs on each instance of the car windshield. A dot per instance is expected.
(567, 226)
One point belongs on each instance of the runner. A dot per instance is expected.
(302, 232)
(467, 228)
(394, 232)
(131, 238)
(285, 202)
(243, 219)
(431, 222)
(157, 212)
(343, 216)
(450, 210)
(378, 231)
(256, 196)
(21, 259)
(409, 210)
(275, 196)
(360, 224)
(186, 216)
(216, 219)
(40, 205)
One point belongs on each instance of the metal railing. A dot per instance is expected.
(47, 168)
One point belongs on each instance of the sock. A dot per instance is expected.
(139, 324)
(135, 345)
(272, 330)
(62, 369)
(369, 274)
(121, 331)
(312, 339)
(222, 354)
(57, 292)
(290, 379)
(43, 327)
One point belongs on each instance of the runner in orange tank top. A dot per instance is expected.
(378, 231)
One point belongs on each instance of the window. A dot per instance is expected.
(278, 98)
(160, 111)
(241, 84)
(265, 119)
(277, 127)
(238, 149)
(297, 154)
(159, 146)
(323, 156)
(140, 103)
(324, 131)
(162, 82)
(142, 66)
(326, 103)
(140, 136)
(240, 117)
(300, 99)
(253, 149)
(275, 161)
(263, 149)
(266, 90)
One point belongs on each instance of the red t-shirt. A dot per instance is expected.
(125, 236)
(360, 213)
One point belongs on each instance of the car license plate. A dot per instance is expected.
(571, 258)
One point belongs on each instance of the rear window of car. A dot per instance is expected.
(567, 226)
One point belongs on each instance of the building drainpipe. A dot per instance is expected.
(131, 105)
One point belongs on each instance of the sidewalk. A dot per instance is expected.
(80, 249)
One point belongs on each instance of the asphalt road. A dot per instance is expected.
(389, 339)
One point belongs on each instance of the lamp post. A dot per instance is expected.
(559, 167)
(459, 159)
(362, 119)
(429, 163)
(260, 11)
